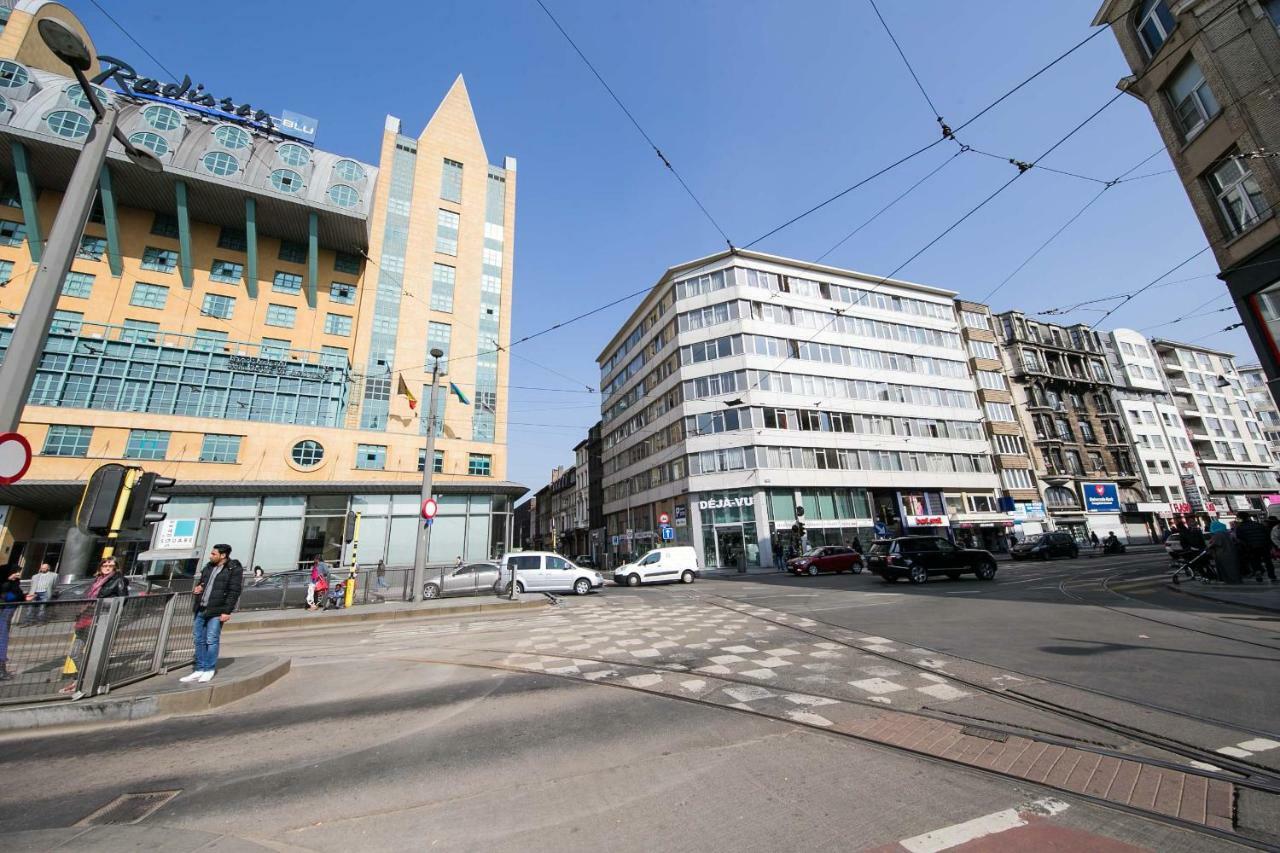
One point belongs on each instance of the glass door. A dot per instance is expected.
(730, 547)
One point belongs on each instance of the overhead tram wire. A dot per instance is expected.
(119, 26)
(656, 150)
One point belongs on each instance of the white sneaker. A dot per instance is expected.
(194, 675)
(205, 676)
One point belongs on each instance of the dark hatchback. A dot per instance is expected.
(1046, 546)
(917, 557)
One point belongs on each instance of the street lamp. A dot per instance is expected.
(428, 468)
(18, 370)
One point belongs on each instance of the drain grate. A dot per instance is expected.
(986, 734)
(129, 808)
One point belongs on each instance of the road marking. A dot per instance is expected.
(1246, 748)
(980, 827)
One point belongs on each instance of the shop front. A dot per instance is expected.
(729, 534)
(1102, 509)
(830, 517)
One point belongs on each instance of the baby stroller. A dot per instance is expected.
(1190, 565)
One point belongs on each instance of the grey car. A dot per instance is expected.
(471, 579)
(285, 589)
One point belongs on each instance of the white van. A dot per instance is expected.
(545, 571)
(661, 565)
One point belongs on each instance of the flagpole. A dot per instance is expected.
(428, 468)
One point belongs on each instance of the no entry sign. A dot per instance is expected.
(15, 457)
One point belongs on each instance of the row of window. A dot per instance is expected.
(825, 388)
(750, 458)
(373, 457)
(819, 420)
(790, 348)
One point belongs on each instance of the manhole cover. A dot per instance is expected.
(129, 808)
(988, 734)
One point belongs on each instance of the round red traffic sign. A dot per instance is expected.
(663, 518)
(15, 457)
(429, 507)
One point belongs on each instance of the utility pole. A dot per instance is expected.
(18, 371)
(428, 468)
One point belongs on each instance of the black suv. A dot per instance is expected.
(1046, 546)
(917, 557)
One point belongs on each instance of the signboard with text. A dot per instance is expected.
(928, 521)
(176, 533)
(1100, 497)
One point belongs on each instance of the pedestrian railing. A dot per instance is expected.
(75, 648)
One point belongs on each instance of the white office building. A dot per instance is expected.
(749, 390)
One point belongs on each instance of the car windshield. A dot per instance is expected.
(1037, 539)
(881, 547)
(815, 552)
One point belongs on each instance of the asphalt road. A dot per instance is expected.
(370, 743)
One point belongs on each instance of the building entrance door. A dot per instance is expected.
(730, 547)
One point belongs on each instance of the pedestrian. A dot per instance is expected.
(1191, 537)
(213, 600)
(319, 582)
(1093, 537)
(42, 583)
(856, 545)
(1273, 524)
(258, 575)
(380, 576)
(10, 595)
(107, 583)
(1226, 553)
(1255, 547)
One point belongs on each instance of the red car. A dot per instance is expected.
(828, 558)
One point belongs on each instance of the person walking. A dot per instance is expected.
(10, 595)
(1093, 537)
(42, 583)
(1273, 525)
(1191, 537)
(1255, 547)
(1226, 553)
(319, 582)
(214, 598)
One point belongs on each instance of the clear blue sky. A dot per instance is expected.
(765, 108)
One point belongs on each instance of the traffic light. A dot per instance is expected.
(145, 506)
(101, 495)
(349, 529)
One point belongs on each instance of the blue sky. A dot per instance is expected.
(765, 107)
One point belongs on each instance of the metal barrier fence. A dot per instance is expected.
(289, 589)
(75, 648)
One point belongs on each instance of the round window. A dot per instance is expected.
(343, 195)
(153, 142)
(220, 163)
(348, 170)
(307, 454)
(75, 94)
(294, 155)
(286, 180)
(162, 118)
(13, 75)
(68, 123)
(231, 137)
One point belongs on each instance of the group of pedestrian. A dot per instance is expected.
(1244, 550)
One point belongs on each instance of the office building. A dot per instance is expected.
(1257, 389)
(255, 319)
(749, 391)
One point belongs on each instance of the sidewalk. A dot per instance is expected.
(1251, 594)
(297, 617)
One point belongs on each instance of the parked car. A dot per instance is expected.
(827, 558)
(543, 571)
(585, 561)
(471, 579)
(1046, 546)
(1173, 546)
(283, 589)
(79, 588)
(918, 557)
(661, 565)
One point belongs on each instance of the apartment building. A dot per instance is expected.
(1062, 392)
(1257, 389)
(748, 391)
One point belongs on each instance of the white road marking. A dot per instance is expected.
(980, 827)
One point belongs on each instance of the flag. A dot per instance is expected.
(462, 398)
(403, 391)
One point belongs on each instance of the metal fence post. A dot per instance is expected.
(106, 620)
(162, 642)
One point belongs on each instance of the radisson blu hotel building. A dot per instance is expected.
(255, 319)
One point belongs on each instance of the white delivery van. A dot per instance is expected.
(676, 563)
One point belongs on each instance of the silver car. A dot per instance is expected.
(471, 579)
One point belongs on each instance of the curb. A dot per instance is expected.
(303, 621)
(1262, 607)
(109, 708)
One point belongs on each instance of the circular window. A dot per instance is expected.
(153, 142)
(294, 155)
(220, 163)
(162, 118)
(286, 180)
(231, 137)
(343, 195)
(307, 454)
(348, 170)
(13, 75)
(75, 94)
(68, 123)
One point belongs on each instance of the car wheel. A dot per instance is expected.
(582, 586)
(431, 591)
(919, 574)
(633, 580)
(520, 587)
(955, 576)
(1075, 552)
(686, 577)
(813, 571)
(986, 571)
(1044, 556)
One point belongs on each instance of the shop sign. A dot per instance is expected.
(1270, 500)
(1100, 497)
(1180, 508)
(274, 367)
(682, 515)
(726, 503)
(175, 533)
(928, 521)
(1028, 511)
(1192, 491)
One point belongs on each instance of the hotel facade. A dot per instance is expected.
(255, 320)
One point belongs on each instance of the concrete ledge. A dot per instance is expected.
(171, 698)
(1270, 606)
(371, 613)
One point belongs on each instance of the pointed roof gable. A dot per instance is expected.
(455, 115)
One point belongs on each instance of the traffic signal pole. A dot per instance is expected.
(428, 468)
(122, 505)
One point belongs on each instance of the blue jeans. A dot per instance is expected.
(208, 631)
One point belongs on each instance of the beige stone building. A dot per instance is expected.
(248, 320)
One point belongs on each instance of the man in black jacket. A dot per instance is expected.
(1255, 541)
(214, 597)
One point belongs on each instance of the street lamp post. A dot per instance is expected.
(428, 468)
(19, 368)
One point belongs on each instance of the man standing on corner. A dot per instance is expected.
(214, 597)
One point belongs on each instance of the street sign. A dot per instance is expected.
(15, 457)
(664, 519)
(429, 507)
(668, 534)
